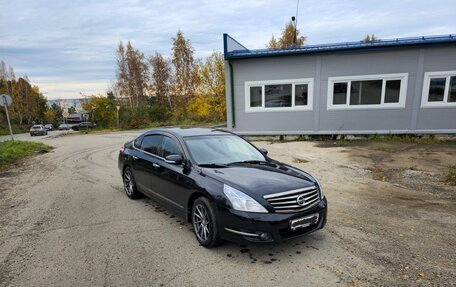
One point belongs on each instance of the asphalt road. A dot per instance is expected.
(65, 221)
(28, 137)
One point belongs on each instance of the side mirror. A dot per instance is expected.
(264, 151)
(174, 159)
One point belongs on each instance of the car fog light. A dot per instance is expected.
(265, 236)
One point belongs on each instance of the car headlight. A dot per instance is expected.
(241, 201)
(320, 188)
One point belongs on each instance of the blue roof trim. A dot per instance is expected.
(225, 45)
(347, 46)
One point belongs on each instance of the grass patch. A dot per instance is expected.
(450, 177)
(96, 131)
(11, 151)
(16, 130)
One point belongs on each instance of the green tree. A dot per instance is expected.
(102, 111)
(57, 110)
(287, 39)
(50, 117)
(72, 110)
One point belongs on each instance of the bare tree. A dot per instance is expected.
(3, 71)
(273, 43)
(138, 72)
(132, 74)
(122, 84)
(183, 62)
(371, 38)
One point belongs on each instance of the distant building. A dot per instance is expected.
(80, 116)
(77, 118)
(393, 86)
(67, 103)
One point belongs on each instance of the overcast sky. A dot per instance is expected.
(68, 47)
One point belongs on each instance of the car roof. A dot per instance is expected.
(189, 132)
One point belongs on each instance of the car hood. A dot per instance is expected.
(261, 179)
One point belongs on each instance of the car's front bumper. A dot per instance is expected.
(247, 227)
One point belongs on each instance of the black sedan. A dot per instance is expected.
(225, 186)
(84, 126)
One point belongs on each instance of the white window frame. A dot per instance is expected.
(427, 81)
(293, 82)
(403, 77)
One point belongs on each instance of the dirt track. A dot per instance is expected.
(65, 220)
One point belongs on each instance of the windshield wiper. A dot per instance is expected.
(248, 162)
(212, 165)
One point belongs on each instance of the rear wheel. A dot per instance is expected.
(130, 184)
(205, 223)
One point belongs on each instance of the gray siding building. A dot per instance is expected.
(399, 86)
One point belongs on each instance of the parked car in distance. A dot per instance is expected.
(49, 127)
(84, 126)
(224, 185)
(38, 130)
(64, 127)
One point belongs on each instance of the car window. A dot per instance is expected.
(169, 146)
(221, 149)
(138, 141)
(151, 143)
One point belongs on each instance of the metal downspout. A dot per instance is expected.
(233, 121)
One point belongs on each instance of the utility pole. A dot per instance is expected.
(118, 108)
(295, 21)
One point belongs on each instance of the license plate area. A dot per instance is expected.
(302, 222)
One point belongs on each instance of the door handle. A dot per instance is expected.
(156, 165)
(135, 157)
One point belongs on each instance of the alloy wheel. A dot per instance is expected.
(129, 185)
(201, 222)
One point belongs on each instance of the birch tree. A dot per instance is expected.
(287, 39)
(161, 76)
(183, 63)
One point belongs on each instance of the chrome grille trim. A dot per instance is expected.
(286, 202)
(289, 197)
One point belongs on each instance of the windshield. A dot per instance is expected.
(222, 150)
(36, 127)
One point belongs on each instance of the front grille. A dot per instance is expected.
(294, 200)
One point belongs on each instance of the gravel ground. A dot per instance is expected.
(65, 221)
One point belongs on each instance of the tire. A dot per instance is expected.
(204, 223)
(31, 134)
(130, 184)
